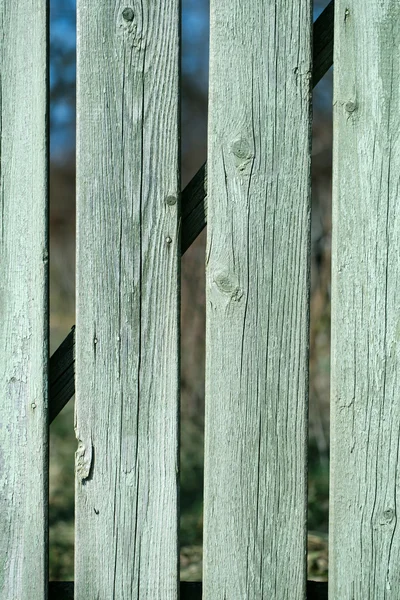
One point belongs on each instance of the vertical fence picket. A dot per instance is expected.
(127, 363)
(257, 300)
(365, 410)
(23, 301)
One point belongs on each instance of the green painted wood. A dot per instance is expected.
(257, 258)
(364, 553)
(127, 364)
(23, 301)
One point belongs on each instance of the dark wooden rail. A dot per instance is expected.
(194, 219)
(323, 43)
(62, 371)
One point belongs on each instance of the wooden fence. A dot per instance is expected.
(123, 361)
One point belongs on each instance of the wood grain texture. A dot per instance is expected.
(194, 214)
(257, 300)
(23, 300)
(194, 208)
(127, 361)
(364, 538)
(194, 196)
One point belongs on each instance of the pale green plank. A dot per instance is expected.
(257, 300)
(365, 409)
(194, 216)
(127, 301)
(23, 301)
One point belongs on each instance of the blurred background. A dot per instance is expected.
(195, 26)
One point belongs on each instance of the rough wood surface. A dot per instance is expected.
(127, 367)
(23, 301)
(257, 284)
(194, 214)
(364, 538)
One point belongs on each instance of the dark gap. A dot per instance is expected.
(321, 223)
(62, 275)
(194, 99)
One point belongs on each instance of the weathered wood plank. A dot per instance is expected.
(194, 196)
(323, 43)
(194, 205)
(127, 366)
(23, 300)
(365, 410)
(257, 300)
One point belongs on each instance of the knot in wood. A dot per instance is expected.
(242, 152)
(228, 284)
(128, 14)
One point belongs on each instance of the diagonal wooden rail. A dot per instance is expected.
(194, 219)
